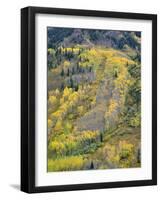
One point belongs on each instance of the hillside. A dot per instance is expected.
(107, 38)
(94, 98)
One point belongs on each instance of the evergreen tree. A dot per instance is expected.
(71, 82)
(92, 165)
(80, 69)
(76, 87)
(77, 67)
(138, 156)
(66, 53)
(56, 52)
(60, 50)
(73, 71)
(62, 72)
(62, 86)
(101, 137)
(68, 72)
(80, 58)
(115, 72)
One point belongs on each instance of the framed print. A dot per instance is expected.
(88, 99)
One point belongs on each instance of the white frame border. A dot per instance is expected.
(42, 178)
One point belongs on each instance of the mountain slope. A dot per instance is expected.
(108, 38)
(93, 99)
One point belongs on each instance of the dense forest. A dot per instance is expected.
(94, 99)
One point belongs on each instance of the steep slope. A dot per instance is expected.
(93, 99)
(108, 38)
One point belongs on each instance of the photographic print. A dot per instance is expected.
(88, 99)
(93, 99)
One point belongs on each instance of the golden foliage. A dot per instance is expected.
(66, 64)
(57, 147)
(66, 163)
(66, 140)
(88, 135)
(136, 120)
(58, 126)
(112, 106)
(52, 100)
(80, 110)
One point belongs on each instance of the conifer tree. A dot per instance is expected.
(71, 82)
(62, 72)
(92, 165)
(68, 72)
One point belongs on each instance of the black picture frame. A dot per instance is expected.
(28, 98)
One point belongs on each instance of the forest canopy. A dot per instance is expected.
(94, 99)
